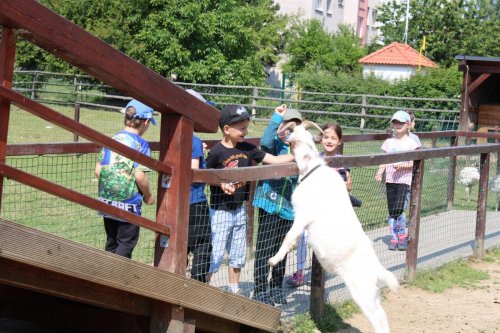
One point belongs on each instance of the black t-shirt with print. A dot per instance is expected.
(221, 157)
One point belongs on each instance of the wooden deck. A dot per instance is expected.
(36, 265)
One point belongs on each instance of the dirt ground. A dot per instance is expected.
(456, 310)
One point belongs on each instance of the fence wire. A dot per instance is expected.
(446, 232)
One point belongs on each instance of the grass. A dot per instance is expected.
(455, 274)
(76, 172)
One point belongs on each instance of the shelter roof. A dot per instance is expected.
(397, 54)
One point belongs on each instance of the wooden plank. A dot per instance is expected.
(173, 210)
(71, 43)
(479, 69)
(414, 223)
(81, 199)
(477, 82)
(488, 115)
(39, 280)
(216, 176)
(173, 202)
(482, 201)
(25, 245)
(52, 148)
(62, 314)
(7, 56)
(86, 132)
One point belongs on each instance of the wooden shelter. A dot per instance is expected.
(480, 101)
(54, 282)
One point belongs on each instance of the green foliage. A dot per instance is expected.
(451, 28)
(435, 83)
(225, 42)
(310, 47)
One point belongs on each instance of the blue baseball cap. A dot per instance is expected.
(142, 111)
(401, 116)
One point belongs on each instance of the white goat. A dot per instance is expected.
(468, 176)
(322, 207)
(494, 186)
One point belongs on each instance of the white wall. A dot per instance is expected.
(389, 72)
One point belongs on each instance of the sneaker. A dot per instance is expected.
(277, 296)
(393, 245)
(402, 243)
(296, 280)
(263, 297)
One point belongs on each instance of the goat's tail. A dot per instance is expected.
(388, 278)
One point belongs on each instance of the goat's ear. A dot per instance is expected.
(307, 124)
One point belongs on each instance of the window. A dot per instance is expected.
(374, 15)
(319, 5)
(329, 7)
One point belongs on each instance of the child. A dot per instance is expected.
(123, 182)
(199, 233)
(229, 216)
(413, 136)
(273, 198)
(398, 179)
(331, 140)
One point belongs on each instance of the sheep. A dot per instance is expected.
(494, 186)
(468, 176)
(322, 207)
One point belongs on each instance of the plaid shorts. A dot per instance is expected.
(228, 233)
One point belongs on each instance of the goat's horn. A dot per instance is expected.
(307, 124)
(287, 126)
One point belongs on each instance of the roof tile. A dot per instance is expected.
(397, 54)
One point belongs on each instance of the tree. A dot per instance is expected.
(211, 41)
(310, 47)
(451, 27)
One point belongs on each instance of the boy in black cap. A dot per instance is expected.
(229, 218)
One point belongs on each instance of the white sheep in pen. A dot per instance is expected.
(322, 207)
(468, 177)
(494, 186)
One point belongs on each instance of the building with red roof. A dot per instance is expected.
(395, 61)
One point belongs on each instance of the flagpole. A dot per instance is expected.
(421, 49)
(405, 37)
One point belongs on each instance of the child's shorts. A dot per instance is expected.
(228, 233)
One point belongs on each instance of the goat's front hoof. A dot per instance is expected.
(272, 262)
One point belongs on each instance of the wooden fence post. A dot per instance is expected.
(34, 82)
(255, 96)
(317, 297)
(7, 56)
(451, 175)
(363, 112)
(482, 202)
(176, 133)
(414, 227)
(76, 117)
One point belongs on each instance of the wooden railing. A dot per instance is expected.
(180, 112)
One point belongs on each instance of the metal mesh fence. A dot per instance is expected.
(446, 232)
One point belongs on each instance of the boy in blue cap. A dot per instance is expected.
(123, 183)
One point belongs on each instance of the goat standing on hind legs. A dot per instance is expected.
(322, 207)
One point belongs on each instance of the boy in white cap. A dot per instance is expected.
(124, 183)
(398, 179)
